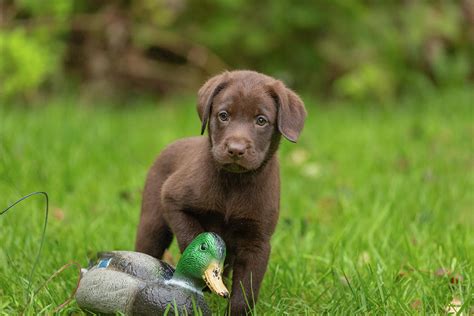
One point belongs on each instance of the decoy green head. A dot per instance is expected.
(202, 263)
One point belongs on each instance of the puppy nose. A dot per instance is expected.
(236, 149)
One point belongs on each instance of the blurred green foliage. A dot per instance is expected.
(354, 49)
(24, 63)
(31, 45)
(357, 49)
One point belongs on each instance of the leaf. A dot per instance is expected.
(58, 214)
(311, 170)
(299, 156)
(454, 306)
(168, 257)
(456, 278)
(364, 258)
(441, 272)
(416, 304)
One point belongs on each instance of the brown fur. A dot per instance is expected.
(227, 183)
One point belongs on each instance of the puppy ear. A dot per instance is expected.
(291, 111)
(206, 96)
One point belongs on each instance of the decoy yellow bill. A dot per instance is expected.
(213, 278)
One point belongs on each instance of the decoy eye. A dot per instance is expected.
(203, 247)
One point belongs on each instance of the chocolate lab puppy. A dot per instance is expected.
(227, 183)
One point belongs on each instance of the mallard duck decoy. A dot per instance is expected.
(134, 283)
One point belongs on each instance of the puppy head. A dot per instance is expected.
(246, 113)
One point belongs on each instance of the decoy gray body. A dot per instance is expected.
(134, 283)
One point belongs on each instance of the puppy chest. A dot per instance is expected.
(234, 231)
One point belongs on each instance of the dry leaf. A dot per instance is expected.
(364, 258)
(344, 281)
(311, 170)
(402, 164)
(454, 306)
(401, 274)
(299, 156)
(428, 176)
(327, 203)
(404, 271)
(442, 272)
(456, 278)
(328, 208)
(58, 214)
(168, 257)
(416, 304)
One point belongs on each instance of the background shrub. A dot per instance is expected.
(359, 50)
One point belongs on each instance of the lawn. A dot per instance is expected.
(376, 209)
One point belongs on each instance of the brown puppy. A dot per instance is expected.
(227, 183)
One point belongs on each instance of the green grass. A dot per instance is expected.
(375, 201)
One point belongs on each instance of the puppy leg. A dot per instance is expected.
(228, 264)
(249, 267)
(154, 236)
(184, 226)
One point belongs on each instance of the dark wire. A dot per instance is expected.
(35, 263)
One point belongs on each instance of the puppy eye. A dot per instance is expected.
(261, 120)
(223, 116)
(203, 247)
